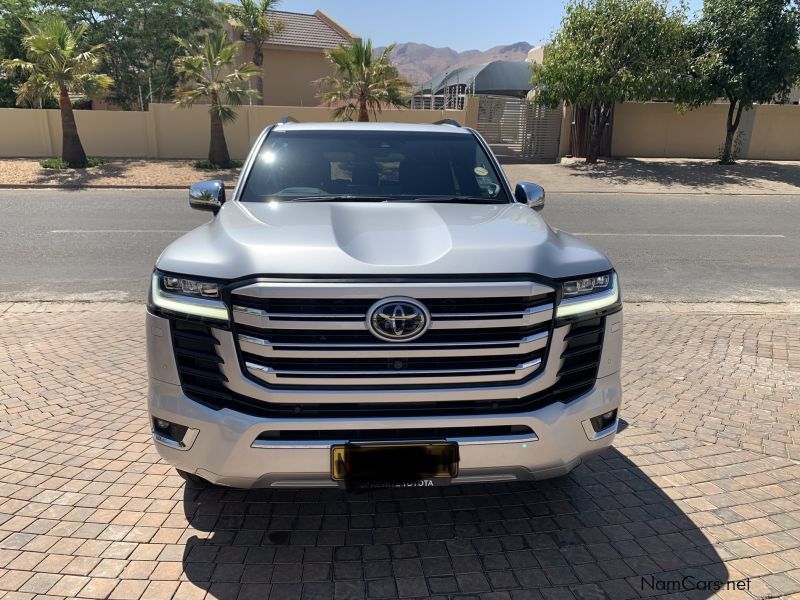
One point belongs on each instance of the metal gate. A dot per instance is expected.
(518, 130)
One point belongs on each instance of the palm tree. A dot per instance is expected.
(208, 70)
(57, 67)
(362, 82)
(250, 16)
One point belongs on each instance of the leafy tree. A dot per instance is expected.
(11, 32)
(55, 67)
(362, 82)
(139, 38)
(250, 17)
(208, 71)
(746, 51)
(611, 51)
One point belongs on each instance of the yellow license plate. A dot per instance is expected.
(394, 464)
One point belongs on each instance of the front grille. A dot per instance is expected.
(203, 381)
(479, 334)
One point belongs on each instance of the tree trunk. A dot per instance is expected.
(363, 113)
(599, 115)
(218, 148)
(258, 60)
(595, 133)
(71, 148)
(731, 125)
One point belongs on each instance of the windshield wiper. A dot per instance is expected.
(442, 199)
(458, 199)
(334, 198)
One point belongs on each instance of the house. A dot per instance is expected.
(294, 57)
(449, 88)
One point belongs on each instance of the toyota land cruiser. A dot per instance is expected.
(375, 306)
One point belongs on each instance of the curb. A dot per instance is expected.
(77, 186)
(122, 186)
(670, 193)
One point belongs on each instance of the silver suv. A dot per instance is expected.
(375, 306)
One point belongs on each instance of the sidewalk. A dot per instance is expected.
(116, 173)
(633, 175)
(662, 176)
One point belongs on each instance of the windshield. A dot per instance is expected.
(348, 165)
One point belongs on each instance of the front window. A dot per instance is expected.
(344, 165)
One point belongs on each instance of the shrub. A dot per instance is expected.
(729, 157)
(206, 165)
(60, 163)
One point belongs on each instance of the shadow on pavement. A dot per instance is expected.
(594, 534)
(81, 177)
(126, 172)
(692, 173)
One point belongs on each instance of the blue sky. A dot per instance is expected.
(459, 24)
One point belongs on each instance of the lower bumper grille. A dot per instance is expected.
(388, 410)
(420, 434)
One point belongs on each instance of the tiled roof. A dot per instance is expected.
(307, 31)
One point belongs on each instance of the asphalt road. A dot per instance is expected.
(102, 244)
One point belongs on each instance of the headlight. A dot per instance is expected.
(588, 294)
(190, 287)
(188, 297)
(580, 287)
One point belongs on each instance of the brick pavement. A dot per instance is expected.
(702, 482)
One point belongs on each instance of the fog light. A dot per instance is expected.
(604, 421)
(172, 431)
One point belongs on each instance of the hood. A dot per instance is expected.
(381, 238)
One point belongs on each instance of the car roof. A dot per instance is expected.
(355, 126)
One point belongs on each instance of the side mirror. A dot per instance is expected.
(207, 195)
(530, 194)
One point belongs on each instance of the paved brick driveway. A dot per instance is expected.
(702, 483)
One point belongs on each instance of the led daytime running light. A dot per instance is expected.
(589, 302)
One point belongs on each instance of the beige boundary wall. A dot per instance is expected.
(652, 129)
(656, 129)
(165, 131)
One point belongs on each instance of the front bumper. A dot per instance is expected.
(222, 451)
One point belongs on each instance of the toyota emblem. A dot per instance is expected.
(398, 319)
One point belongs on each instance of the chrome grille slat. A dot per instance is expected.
(262, 347)
(312, 377)
(523, 320)
(378, 290)
(493, 315)
(253, 317)
(265, 321)
(316, 334)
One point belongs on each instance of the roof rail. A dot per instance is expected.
(452, 122)
(287, 119)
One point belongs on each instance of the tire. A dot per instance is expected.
(194, 481)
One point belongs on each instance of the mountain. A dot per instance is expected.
(419, 62)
